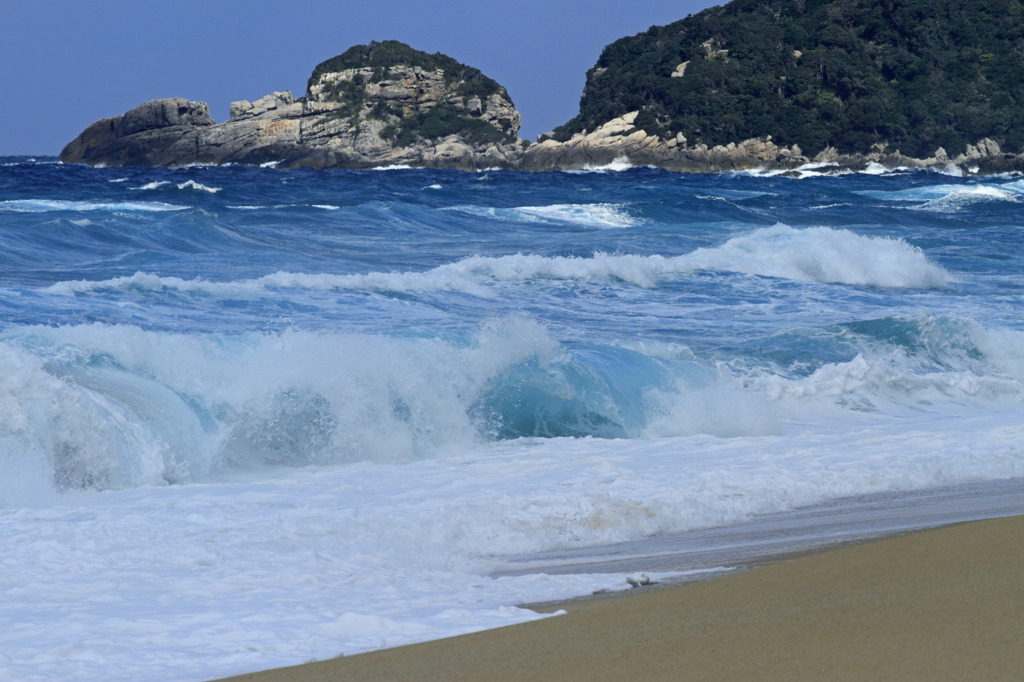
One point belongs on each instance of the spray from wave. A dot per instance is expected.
(100, 407)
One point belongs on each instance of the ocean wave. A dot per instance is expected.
(30, 161)
(951, 198)
(897, 368)
(47, 205)
(807, 170)
(721, 194)
(902, 364)
(821, 254)
(812, 255)
(445, 278)
(188, 184)
(97, 406)
(192, 184)
(593, 215)
(156, 184)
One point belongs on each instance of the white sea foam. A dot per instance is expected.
(195, 582)
(593, 215)
(46, 205)
(822, 254)
(951, 169)
(620, 163)
(156, 184)
(807, 170)
(723, 194)
(326, 207)
(192, 184)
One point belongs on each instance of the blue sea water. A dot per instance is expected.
(463, 365)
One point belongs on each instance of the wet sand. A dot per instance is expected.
(942, 604)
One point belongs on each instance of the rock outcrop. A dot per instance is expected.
(619, 141)
(163, 132)
(429, 111)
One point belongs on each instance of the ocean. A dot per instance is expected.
(252, 417)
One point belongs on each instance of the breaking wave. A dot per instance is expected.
(97, 406)
(952, 198)
(593, 215)
(47, 205)
(820, 255)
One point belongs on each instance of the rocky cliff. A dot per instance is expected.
(375, 105)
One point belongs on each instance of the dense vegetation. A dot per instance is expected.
(913, 74)
(440, 122)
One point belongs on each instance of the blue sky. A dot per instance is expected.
(67, 63)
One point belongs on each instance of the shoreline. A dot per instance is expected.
(809, 168)
(778, 536)
(945, 602)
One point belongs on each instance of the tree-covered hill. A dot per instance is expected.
(913, 74)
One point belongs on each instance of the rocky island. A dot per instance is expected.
(374, 105)
(771, 84)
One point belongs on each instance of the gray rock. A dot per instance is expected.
(162, 132)
(238, 109)
(163, 113)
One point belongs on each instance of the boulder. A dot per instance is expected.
(161, 132)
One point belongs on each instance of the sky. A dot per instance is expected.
(67, 63)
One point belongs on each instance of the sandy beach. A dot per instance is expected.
(942, 604)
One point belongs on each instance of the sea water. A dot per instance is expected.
(252, 417)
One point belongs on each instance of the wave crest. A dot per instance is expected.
(47, 205)
(591, 215)
(820, 255)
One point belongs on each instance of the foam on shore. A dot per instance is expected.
(940, 605)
